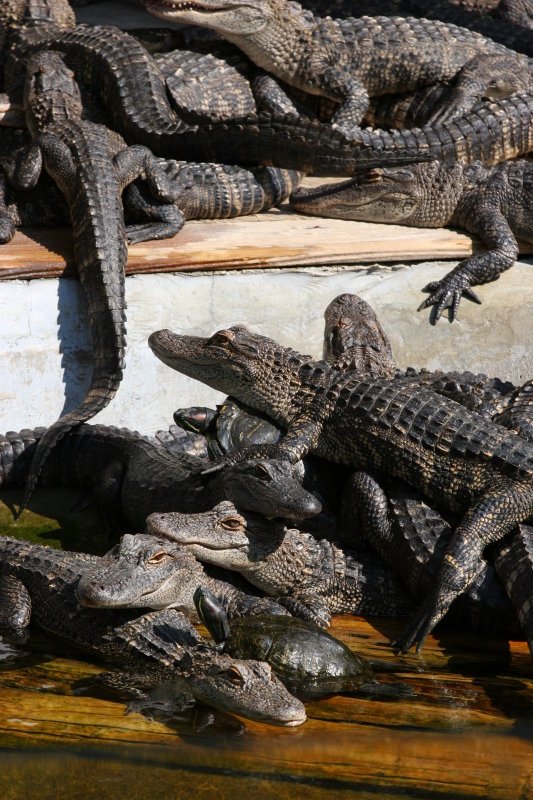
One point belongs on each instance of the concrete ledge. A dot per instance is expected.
(46, 350)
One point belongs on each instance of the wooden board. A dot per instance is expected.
(273, 239)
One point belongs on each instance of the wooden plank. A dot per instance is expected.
(273, 239)
(452, 739)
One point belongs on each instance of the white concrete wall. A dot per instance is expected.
(46, 352)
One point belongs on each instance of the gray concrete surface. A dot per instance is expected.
(46, 349)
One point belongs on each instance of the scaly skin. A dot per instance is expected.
(210, 191)
(163, 644)
(203, 191)
(411, 538)
(476, 469)
(353, 59)
(135, 476)
(314, 579)
(494, 203)
(144, 571)
(513, 560)
(134, 93)
(91, 167)
(519, 12)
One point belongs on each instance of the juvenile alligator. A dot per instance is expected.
(495, 203)
(91, 167)
(163, 644)
(312, 578)
(349, 60)
(133, 90)
(202, 191)
(318, 577)
(473, 468)
(132, 476)
(144, 571)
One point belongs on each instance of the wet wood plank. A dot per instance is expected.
(455, 738)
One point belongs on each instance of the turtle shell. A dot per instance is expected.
(305, 658)
(238, 426)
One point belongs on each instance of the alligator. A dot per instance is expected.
(144, 571)
(412, 537)
(129, 476)
(202, 191)
(133, 90)
(462, 463)
(407, 534)
(519, 12)
(352, 59)
(91, 166)
(312, 578)
(495, 203)
(163, 644)
(210, 191)
(505, 29)
(354, 341)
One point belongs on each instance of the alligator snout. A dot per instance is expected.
(92, 593)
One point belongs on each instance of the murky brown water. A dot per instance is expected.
(468, 732)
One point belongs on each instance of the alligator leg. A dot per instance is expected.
(271, 96)
(494, 229)
(15, 606)
(166, 220)
(354, 101)
(513, 559)
(7, 228)
(312, 609)
(482, 76)
(493, 516)
(518, 415)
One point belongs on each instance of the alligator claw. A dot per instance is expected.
(417, 629)
(447, 293)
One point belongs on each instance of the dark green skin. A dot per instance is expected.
(305, 658)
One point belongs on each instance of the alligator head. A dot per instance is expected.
(142, 572)
(51, 92)
(228, 17)
(253, 368)
(268, 487)
(390, 195)
(223, 536)
(354, 338)
(250, 689)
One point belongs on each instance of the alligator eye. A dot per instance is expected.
(234, 675)
(232, 523)
(261, 472)
(158, 557)
(221, 338)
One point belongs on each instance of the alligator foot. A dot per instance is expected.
(420, 625)
(447, 293)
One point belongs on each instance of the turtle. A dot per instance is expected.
(309, 661)
(233, 425)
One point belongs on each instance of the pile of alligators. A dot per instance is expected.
(263, 541)
(319, 487)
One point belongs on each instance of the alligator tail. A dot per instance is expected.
(103, 388)
(100, 252)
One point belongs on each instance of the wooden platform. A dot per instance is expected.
(274, 239)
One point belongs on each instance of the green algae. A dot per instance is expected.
(52, 519)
